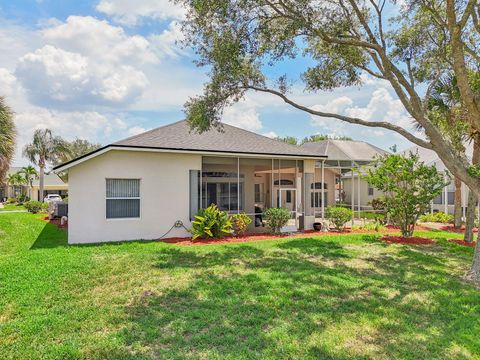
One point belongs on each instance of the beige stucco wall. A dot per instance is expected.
(164, 192)
(364, 197)
(35, 190)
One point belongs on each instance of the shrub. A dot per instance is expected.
(240, 222)
(22, 198)
(378, 204)
(338, 216)
(439, 217)
(409, 187)
(33, 206)
(376, 226)
(211, 223)
(11, 201)
(276, 218)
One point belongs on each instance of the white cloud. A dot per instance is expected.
(87, 125)
(85, 62)
(7, 82)
(135, 130)
(166, 43)
(270, 134)
(98, 39)
(55, 76)
(382, 107)
(243, 115)
(128, 12)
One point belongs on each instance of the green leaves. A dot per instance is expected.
(408, 186)
(276, 218)
(338, 216)
(211, 223)
(7, 138)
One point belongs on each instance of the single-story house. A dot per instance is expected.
(152, 184)
(53, 184)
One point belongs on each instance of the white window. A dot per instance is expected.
(123, 198)
(258, 193)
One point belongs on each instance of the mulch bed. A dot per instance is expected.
(55, 222)
(258, 237)
(451, 228)
(464, 243)
(404, 240)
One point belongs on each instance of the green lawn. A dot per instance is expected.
(333, 297)
(11, 207)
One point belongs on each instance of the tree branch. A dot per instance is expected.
(468, 12)
(351, 120)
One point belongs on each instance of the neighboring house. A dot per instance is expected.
(445, 201)
(364, 193)
(53, 185)
(144, 186)
(342, 156)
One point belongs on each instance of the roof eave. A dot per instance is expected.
(110, 147)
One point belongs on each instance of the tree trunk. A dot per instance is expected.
(474, 272)
(42, 175)
(470, 216)
(457, 223)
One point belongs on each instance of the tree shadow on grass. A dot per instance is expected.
(50, 237)
(300, 299)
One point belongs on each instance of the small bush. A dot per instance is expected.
(338, 216)
(11, 201)
(376, 226)
(211, 223)
(240, 223)
(378, 204)
(22, 198)
(276, 218)
(439, 217)
(33, 206)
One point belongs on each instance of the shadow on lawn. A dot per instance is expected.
(305, 298)
(50, 237)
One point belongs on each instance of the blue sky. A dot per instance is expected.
(106, 69)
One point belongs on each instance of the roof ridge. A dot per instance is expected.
(148, 131)
(263, 136)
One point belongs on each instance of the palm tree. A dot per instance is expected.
(15, 179)
(45, 148)
(7, 138)
(446, 112)
(29, 174)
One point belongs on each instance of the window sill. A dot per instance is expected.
(122, 219)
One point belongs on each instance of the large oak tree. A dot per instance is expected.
(409, 46)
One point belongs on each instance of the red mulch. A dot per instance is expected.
(257, 237)
(55, 222)
(405, 240)
(464, 243)
(451, 228)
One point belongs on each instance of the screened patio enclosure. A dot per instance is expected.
(331, 173)
(251, 185)
(344, 158)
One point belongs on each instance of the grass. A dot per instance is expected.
(334, 297)
(12, 207)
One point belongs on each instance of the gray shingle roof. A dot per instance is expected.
(178, 136)
(430, 157)
(345, 150)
